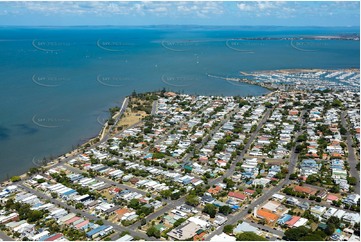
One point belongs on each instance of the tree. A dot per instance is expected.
(175, 195)
(268, 105)
(228, 229)
(153, 232)
(145, 210)
(293, 176)
(178, 222)
(79, 206)
(192, 200)
(299, 148)
(33, 170)
(312, 179)
(352, 180)
(249, 236)
(15, 178)
(34, 215)
(311, 237)
(99, 222)
(166, 193)
(335, 189)
(334, 220)
(134, 203)
(302, 138)
(210, 209)
(330, 229)
(296, 233)
(225, 210)
(198, 140)
(343, 131)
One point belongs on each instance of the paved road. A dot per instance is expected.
(172, 204)
(108, 181)
(322, 203)
(210, 135)
(267, 193)
(121, 112)
(231, 170)
(4, 237)
(267, 229)
(154, 107)
(63, 159)
(352, 160)
(83, 213)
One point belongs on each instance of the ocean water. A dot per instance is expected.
(56, 84)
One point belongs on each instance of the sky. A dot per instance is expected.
(248, 13)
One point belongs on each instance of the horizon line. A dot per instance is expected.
(180, 25)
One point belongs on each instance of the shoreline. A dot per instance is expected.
(101, 134)
(301, 70)
(75, 151)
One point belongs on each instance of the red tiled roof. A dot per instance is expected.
(71, 220)
(237, 195)
(304, 189)
(332, 197)
(270, 217)
(249, 191)
(293, 220)
(79, 225)
(214, 190)
(54, 237)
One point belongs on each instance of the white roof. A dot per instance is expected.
(223, 237)
(278, 196)
(199, 222)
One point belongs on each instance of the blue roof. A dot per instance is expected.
(46, 237)
(284, 219)
(96, 230)
(69, 192)
(37, 205)
(148, 156)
